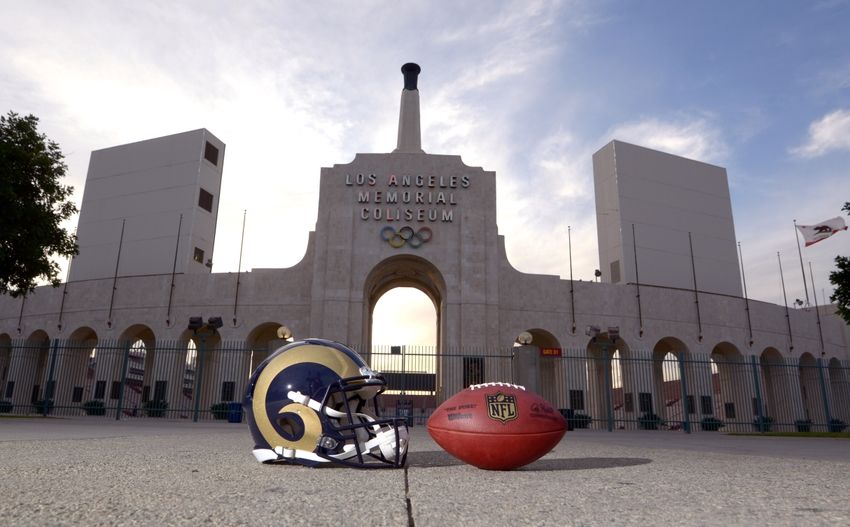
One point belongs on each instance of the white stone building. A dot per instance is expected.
(428, 221)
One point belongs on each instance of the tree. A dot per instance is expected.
(33, 204)
(840, 278)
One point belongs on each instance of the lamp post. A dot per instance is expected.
(201, 331)
(609, 340)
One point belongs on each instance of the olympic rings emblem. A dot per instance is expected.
(406, 235)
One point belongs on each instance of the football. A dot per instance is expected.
(496, 426)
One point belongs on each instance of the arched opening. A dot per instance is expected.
(27, 372)
(205, 380)
(404, 310)
(674, 381)
(5, 364)
(839, 381)
(732, 387)
(262, 341)
(811, 390)
(551, 371)
(609, 381)
(75, 369)
(126, 371)
(780, 392)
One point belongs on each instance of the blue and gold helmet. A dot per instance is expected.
(309, 403)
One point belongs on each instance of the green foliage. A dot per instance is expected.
(763, 423)
(5, 407)
(155, 408)
(711, 424)
(34, 204)
(94, 407)
(840, 278)
(650, 421)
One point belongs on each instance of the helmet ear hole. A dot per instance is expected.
(290, 426)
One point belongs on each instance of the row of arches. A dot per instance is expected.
(612, 382)
(136, 374)
(607, 380)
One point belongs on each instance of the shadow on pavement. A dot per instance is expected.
(442, 459)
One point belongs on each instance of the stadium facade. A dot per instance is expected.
(671, 285)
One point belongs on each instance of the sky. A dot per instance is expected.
(528, 89)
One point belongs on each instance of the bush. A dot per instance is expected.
(711, 424)
(580, 421)
(220, 410)
(763, 423)
(6, 407)
(94, 408)
(837, 425)
(155, 408)
(650, 421)
(803, 425)
(43, 406)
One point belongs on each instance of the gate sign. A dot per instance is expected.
(550, 352)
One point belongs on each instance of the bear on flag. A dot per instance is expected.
(823, 230)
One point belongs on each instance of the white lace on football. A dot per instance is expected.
(489, 384)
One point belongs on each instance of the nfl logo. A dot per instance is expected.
(501, 407)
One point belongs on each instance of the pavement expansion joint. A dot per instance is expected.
(410, 522)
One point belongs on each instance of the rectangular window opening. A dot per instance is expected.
(211, 153)
(199, 255)
(205, 200)
(577, 399)
(707, 405)
(116, 390)
(645, 402)
(228, 389)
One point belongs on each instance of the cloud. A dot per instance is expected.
(831, 132)
(696, 139)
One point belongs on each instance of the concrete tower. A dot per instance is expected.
(676, 206)
(134, 198)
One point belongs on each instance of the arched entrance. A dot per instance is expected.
(420, 375)
(403, 271)
(732, 386)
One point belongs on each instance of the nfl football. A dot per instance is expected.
(496, 426)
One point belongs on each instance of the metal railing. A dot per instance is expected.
(626, 390)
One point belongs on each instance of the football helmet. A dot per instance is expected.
(307, 404)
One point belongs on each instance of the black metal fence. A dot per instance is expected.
(626, 390)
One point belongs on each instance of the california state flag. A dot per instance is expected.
(823, 230)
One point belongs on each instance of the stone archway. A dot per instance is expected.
(75, 368)
(675, 380)
(413, 271)
(732, 386)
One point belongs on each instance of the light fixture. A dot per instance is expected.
(284, 333)
(592, 331)
(524, 338)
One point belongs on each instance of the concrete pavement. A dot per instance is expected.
(149, 472)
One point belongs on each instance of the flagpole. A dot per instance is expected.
(572, 286)
(637, 283)
(802, 269)
(746, 298)
(239, 269)
(817, 311)
(785, 298)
